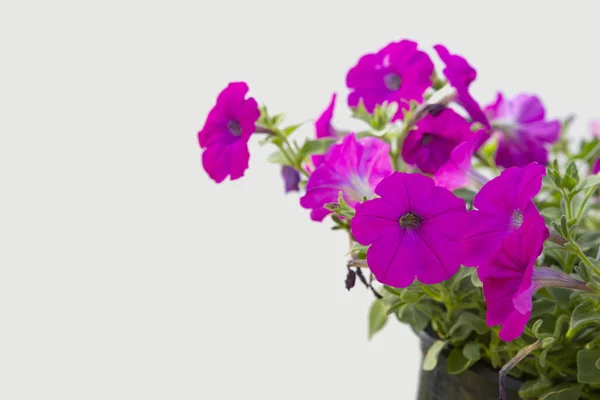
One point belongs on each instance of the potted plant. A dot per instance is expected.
(477, 226)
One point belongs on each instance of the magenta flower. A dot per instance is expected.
(429, 146)
(596, 166)
(397, 73)
(226, 132)
(291, 178)
(507, 277)
(524, 132)
(414, 229)
(354, 167)
(502, 206)
(458, 171)
(460, 75)
(324, 128)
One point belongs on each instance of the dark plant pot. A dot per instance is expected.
(480, 382)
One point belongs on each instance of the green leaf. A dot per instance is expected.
(411, 295)
(583, 315)
(471, 320)
(377, 317)
(588, 182)
(533, 389)
(563, 392)
(412, 315)
(315, 146)
(278, 158)
(432, 355)
(457, 362)
(587, 366)
(392, 290)
(551, 213)
(292, 128)
(465, 194)
(542, 306)
(472, 351)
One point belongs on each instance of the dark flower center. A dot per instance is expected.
(427, 138)
(517, 218)
(392, 81)
(410, 221)
(234, 128)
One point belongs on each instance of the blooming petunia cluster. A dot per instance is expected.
(394, 187)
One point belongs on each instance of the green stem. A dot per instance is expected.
(585, 200)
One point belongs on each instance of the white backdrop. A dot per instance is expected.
(127, 274)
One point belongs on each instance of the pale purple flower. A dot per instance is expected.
(354, 167)
(398, 73)
(460, 75)
(508, 277)
(413, 230)
(595, 128)
(226, 132)
(291, 178)
(502, 206)
(523, 129)
(458, 171)
(429, 146)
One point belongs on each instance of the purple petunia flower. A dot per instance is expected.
(524, 132)
(291, 178)
(414, 229)
(354, 167)
(429, 146)
(507, 277)
(226, 132)
(502, 206)
(324, 128)
(458, 171)
(461, 74)
(397, 73)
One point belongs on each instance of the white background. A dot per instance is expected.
(127, 274)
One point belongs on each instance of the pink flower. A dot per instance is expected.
(458, 171)
(226, 132)
(324, 128)
(524, 132)
(507, 277)
(460, 74)
(429, 146)
(397, 73)
(354, 167)
(414, 229)
(595, 128)
(502, 206)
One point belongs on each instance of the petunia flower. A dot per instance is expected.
(595, 131)
(460, 75)
(324, 128)
(458, 171)
(596, 166)
(397, 73)
(291, 178)
(510, 278)
(523, 129)
(224, 137)
(413, 230)
(354, 167)
(502, 206)
(429, 146)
